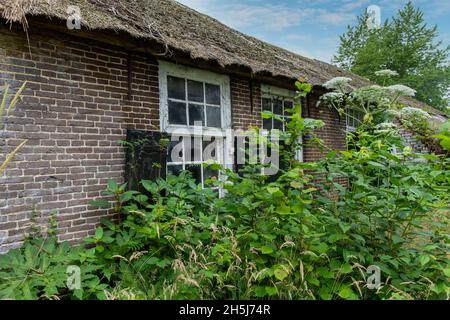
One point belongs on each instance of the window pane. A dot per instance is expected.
(176, 88)
(212, 94)
(196, 115)
(210, 174)
(174, 170)
(196, 170)
(177, 112)
(288, 105)
(213, 117)
(267, 124)
(267, 104)
(195, 91)
(277, 124)
(278, 107)
(175, 151)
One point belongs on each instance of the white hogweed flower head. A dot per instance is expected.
(411, 112)
(333, 96)
(386, 128)
(402, 90)
(337, 83)
(386, 73)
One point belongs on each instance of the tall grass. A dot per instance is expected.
(7, 108)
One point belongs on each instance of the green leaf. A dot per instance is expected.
(346, 268)
(447, 272)
(273, 190)
(99, 233)
(112, 185)
(424, 260)
(260, 292)
(266, 250)
(346, 293)
(78, 293)
(267, 115)
(321, 248)
(280, 274)
(271, 291)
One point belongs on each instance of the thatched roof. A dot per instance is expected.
(184, 29)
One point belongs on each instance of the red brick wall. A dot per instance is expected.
(332, 134)
(74, 112)
(241, 103)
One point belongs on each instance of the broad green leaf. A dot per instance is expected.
(424, 260)
(271, 291)
(280, 274)
(266, 250)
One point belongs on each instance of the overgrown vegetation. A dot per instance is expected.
(293, 238)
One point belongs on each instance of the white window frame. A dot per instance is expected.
(166, 69)
(351, 127)
(189, 73)
(270, 92)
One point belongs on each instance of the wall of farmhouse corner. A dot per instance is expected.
(75, 110)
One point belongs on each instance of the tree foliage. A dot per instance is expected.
(405, 44)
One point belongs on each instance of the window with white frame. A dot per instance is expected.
(196, 112)
(278, 106)
(353, 119)
(278, 101)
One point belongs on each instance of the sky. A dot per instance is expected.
(311, 27)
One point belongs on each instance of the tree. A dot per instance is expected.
(404, 44)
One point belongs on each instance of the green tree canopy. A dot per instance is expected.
(405, 44)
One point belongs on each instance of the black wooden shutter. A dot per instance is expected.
(146, 156)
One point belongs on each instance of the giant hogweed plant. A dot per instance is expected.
(396, 204)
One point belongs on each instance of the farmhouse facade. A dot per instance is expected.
(146, 66)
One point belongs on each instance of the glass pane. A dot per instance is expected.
(196, 115)
(210, 174)
(193, 147)
(266, 104)
(174, 170)
(177, 112)
(288, 105)
(267, 124)
(195, 91)
(212, 94)
(175, 151)
(278, 107)
(176, 88)
(213, 117)
(277, 124)
(196, 170)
